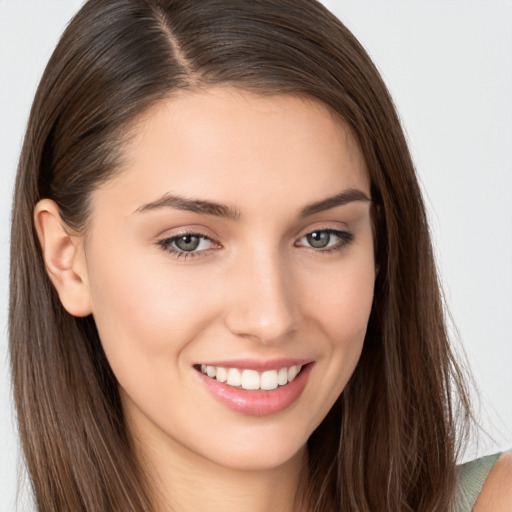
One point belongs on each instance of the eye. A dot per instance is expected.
(186, 244)
(326, 239)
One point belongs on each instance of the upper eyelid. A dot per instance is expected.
(199, 232)
(185, 232)
(332, 229)
(332, 224)
(347, 235)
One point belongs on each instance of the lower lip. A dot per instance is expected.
(258, 402)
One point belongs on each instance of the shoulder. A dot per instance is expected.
(496, 493)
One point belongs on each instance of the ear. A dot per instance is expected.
(64, 258)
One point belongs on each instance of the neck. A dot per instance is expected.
(187, 482)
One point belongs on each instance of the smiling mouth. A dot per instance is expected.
(252, 379)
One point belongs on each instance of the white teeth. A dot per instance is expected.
(251, 379)
(269, 380)
(222, 374)
(292, 372)
(282, 376)
(234, 377)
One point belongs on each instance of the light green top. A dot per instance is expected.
(472, 476)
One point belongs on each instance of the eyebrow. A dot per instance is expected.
(347, 196)
(191, 205)
(220, 210)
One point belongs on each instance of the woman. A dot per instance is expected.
(218, 242)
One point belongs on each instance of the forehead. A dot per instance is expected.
(227, 144)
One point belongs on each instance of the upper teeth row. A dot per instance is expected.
(251, 379)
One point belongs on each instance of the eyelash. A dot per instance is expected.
(344, 238)
(166, 244)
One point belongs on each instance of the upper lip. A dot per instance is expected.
(258, 364)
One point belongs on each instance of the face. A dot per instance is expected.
(230, 269)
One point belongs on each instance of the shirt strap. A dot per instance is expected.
(472, 476)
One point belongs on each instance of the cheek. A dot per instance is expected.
(338, 311)
(342, 302)
(350, 306)
(143, 311)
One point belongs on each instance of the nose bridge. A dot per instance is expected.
(263, 305)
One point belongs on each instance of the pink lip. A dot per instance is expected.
(258, 402)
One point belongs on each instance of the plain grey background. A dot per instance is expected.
(449, 68)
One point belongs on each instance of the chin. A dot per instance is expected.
(258, 451)
(261, 460)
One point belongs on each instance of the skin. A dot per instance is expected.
(258, 291)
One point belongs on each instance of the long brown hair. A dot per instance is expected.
(390, 441)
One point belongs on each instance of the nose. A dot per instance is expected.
(262, 304)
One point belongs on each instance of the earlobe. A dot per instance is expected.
(64, 258)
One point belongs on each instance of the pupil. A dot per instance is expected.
(187, 242)
(318, 239)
